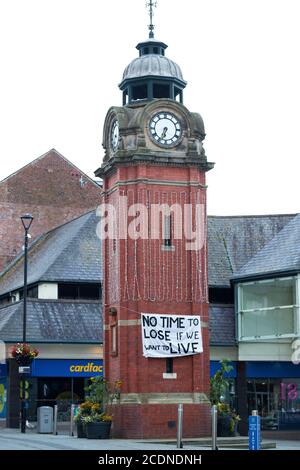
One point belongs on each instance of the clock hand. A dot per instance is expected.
(164, 133)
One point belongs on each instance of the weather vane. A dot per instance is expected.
(151, 5)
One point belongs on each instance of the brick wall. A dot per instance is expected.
(50, 189)
(160, 421)
(130, 268)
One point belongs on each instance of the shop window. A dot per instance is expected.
(277, 401)
(79, 291)
(267, 309)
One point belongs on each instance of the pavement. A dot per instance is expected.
(12, 439)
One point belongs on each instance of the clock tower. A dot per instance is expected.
(154, 161)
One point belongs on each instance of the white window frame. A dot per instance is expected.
(295, 307)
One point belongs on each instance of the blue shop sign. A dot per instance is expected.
(67, 368)
(263, 369)
(216, 365)
(3, 370)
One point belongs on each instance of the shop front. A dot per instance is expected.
(273, 388)
(59, 382)
(3, 390)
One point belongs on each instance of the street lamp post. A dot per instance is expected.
(26, 221)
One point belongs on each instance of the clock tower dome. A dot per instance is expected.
(154, 161)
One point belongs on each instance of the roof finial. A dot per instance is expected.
(151, 5)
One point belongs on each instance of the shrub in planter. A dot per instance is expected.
(227, 419)
(224, 426)
(93, 414)
(85, 410)
(98, 426)
(81, 430)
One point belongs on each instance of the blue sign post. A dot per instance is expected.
(254, 432)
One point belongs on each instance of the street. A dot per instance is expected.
(12, 439)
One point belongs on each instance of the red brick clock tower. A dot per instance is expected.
(154, 157)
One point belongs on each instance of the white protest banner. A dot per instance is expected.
(171, 335)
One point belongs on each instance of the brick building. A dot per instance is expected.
(50, 188)
(64, 318)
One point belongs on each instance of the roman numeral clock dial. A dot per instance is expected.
(115, 136)
(165, 129)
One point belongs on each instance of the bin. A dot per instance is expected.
(45, 420)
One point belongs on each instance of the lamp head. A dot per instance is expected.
(27, 221)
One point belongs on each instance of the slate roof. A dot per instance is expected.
(222, 325)
(70, 253)
(280, 255)
(233, 241)
(53, 321)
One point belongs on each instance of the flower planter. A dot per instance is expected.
(224, 426)
(99, 430)
(24, 354)
(24, 360)
(81, 430)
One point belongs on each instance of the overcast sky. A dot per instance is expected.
(62, 60)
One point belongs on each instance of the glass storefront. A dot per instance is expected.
(273, 388)
(60, 382)
(50, 391)
(277, 401)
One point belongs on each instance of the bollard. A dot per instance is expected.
(214, 427)
(179, 427)
(254, 431)
(55, 420)
(72, 421)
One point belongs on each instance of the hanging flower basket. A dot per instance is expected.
(24, 354)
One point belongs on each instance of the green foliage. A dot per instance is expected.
(218, 388)
(219, 384)
(102, 393)
(96, 418)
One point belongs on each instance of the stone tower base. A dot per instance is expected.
(159, 421)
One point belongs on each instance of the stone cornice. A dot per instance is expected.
(137, 322)
(146, 181)
(154, 160)
(163, 398)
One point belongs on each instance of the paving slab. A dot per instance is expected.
(13, 439)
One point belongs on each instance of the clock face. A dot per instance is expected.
(115, 135)
(165, 129)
